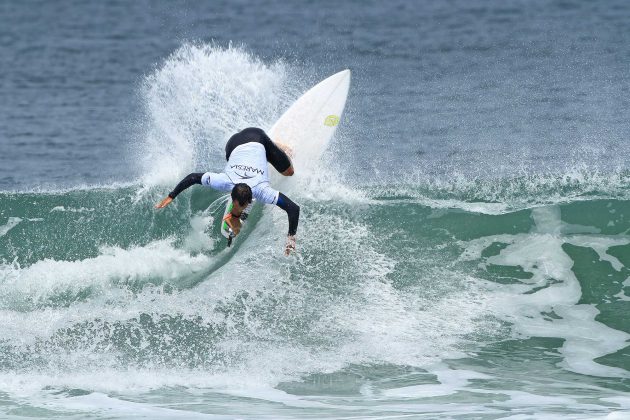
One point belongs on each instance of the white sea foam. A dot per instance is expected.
(113, 266)
(540, 253)
(379, 324)
(449, 382)
(11, 223)
(97, 403)
(71, 209)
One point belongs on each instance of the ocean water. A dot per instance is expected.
(463, 248)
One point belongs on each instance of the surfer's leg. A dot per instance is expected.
(236, 140)
(278, 158)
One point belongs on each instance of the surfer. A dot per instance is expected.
(246, 175)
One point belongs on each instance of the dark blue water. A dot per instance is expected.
(444, 84)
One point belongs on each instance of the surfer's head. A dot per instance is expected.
(242, 194)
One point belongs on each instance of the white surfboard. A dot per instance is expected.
(309, 124)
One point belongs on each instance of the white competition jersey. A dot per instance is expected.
(248, 165)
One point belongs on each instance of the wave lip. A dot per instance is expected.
(52, 282)
(507, 194)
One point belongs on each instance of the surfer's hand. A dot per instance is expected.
(164, 203)
(236, 225)
(290, 246)
(233, 222)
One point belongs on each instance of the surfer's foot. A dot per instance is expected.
(286, 149)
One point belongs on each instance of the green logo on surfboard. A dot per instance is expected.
(331, 120)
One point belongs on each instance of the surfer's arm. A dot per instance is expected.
(293, 212)
(289, 152)
(217, 181)
(191, 179)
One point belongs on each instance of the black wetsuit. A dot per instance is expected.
(275, 155)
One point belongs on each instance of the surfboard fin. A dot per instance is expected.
(231, 236)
